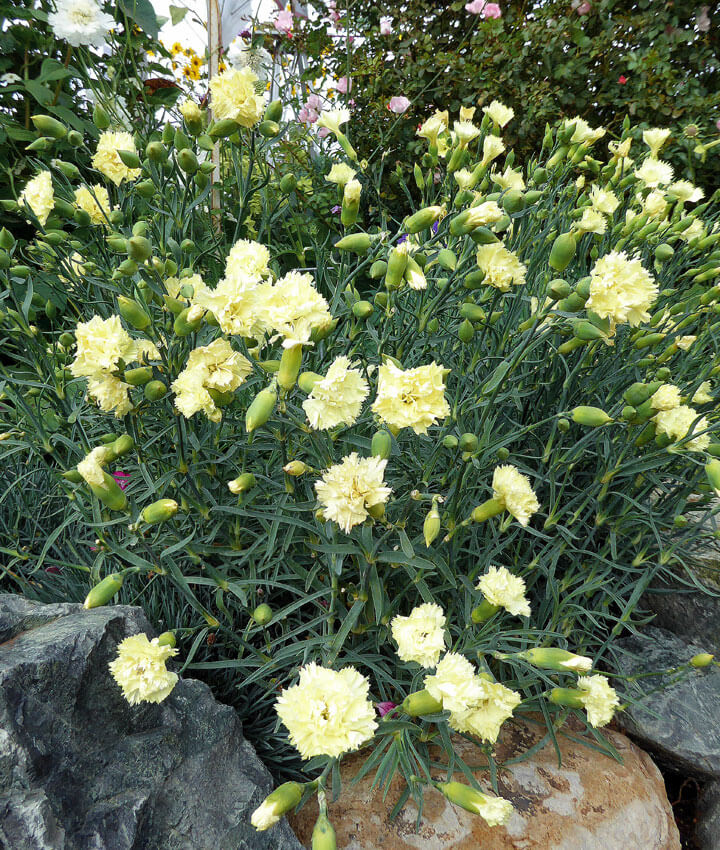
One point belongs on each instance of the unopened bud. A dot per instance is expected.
(290, 363)
(133, 313)
(593, 417)
(103, 592)
(160, 511)
(260, 409)
(296, 468)
(431, 526)
(323, 837)
(422, 219)
(421, 703)
(551, 658)
(262, 614)
(702, 659)
(275, 805)
(381, 445)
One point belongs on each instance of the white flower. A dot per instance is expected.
(505, 590)
(421, 635)
(81, 22)
(654, 172)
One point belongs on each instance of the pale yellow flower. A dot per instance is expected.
(91, 466)
(328, 712)
(464, 179)
(455, 684)
(337, 398)
(514, 491)
(509, 179)
(465, 132)
(101, 344)
(467, 113)
(213, 367)
(349, 489)
(678, 423)
(247, 259)
(95, 203)
(107, 160)
(695, 231)
(111, 394)
(500, 587)
(333, 119)
(655, 138)
(421, 635)
(234, 96)
(702, 394)
(38, 195)
(621, 289)
(654, 172)
(599, 699)
(352, 191)
(499, 114)
(190, 111)
(665, 397)
(685, 192)
(493, 706)
(140, 670)
(502, 268)
(411, 398)
(433, 127)
(341, 174)
(592, 221)
(684, 342)
(603, 200)
(484, 214)
(655, 205)
(493, 146)
(292, 307)
(584, 134)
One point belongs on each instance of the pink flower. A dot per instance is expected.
(717, 123)
(584, 8)
(386, 26)
(398, 104)
(492, 10)
(122, 479)
(307, 115)
(314, 102)
(622, 79)
(284, 22)
(384, 707)
(476, 7)
(344, 85)
(323, 132)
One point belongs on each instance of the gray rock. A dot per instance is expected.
(80, 769)
(692, 614)
(679, 721)
(708, 818)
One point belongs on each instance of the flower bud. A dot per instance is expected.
(74, 138)
(121, 446)
(138, 377)
(269, 129)
(422, 219)
(378, 269)
(712, 470)
(702, 659)
(296, 468)
(133, 313)
(159, 511)
(494, 809)
(167, 639)
(187, 322)
(129, 159)
(664, 252)
(466, 331)
(155, 390)
(275, 805)
(356, 243)
(290, 363)
(551, 658)
(307, 380)
(431, 526)
(468, 442)
(187, 161)
(562, 251)
(260, 409)
(100, 117)
(262, 614)
(420, 703)
(103, 592)
(288, 184)
(156, 152)
(241, 484)
(362, 310)
(568, 697)
(274, 110)
(587, 332)
(483, 611)
(126, 269)
(488, 509)
(593, 417)
(396, 265)
(381, 445)
(109, 493)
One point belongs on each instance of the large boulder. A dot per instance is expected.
(590, 802)
(677, 720)
(690, 613)
(80, 769)
(708, 818)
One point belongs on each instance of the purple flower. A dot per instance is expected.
(122, 478)
(336, 209)
(384, 707)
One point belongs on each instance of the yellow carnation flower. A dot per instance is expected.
(655, 138)
(505, 590)
(411, 398)
(702, 394)
(328, 712)
(499, 113)
(95, 203)
(508, 179)
(455, 684)
(340, 174)
(140, 670)
(38, 195)
(513, 490)
(107, 160)
(433, 127)
(598, 698)
(101, 344)
(292, 307)
(678, 423)
(583, 134)
(213, 367)
(91, 466)
(111, 394)
(502, 268)
(654, 172)
(665, 397)
(421, 635)
(592, 221)
(493, 146)
(337, 398)
(234, 96)
(493, 706)
(603, 200)
(349, 489)
(621, 289)
(190, 111)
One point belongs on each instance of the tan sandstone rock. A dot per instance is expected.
(591, 802)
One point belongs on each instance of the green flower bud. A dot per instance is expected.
(100, 117)
(109, 493)
(420, 703)
(73, 476)
(468, 442)
(396, 265)
(562, 251)
(466, 331)
(474, 280)
(269, 129)
(483, 236)
(422, 219)
(551, 658)
(593, 417)
(587, 331)
(356, 243)
(513, 201)
(130, 159)
(664, 252)
(290, 363)
(323, 837)
(159, 511)
(275, 805)
(450, 441)
(155, 390)
(242, 484)
(145, 188)
(104, 591)
(381, 445)
(558, 289)
(503, 453)
(274, 110)
(702, 659)
(362, 310)
(187, 161)
(307, 380)
(262, 614)
(156, 152)
(483, 612)
(74, 138)
(288, 184)
(187, 321)
(712, 471)
(138, 377)
(260, 409)
(431, 526)
(122, 445)
(133, 313)
(127, 268)
(472, 312)
(296, 468)
(167, 639)
(223, 129)
(139, 248)
(488, 509)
